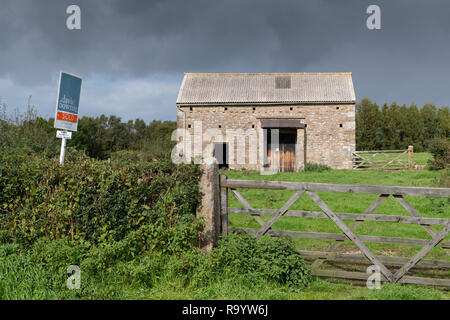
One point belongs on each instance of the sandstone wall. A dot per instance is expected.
(329, 135)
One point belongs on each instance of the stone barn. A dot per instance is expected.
(267, 121)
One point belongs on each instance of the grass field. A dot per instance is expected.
(349, 203)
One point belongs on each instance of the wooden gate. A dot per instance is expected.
(348, 233)
(383, 159)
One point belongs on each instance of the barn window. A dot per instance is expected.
(283, 82)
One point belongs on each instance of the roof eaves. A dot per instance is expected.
(264, 103)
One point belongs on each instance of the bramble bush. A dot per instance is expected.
(97, 201)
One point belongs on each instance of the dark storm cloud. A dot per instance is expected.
(407, 60)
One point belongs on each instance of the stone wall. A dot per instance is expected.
(329, 135)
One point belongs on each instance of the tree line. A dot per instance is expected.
(389, 127)
(99, 137)
(398, 126)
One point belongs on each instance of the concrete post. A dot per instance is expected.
(209, 207)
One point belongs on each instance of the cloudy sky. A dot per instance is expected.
(132, 53)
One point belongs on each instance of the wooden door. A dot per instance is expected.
(287, 157)
(283, 157)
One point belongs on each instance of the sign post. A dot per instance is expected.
(66, 114)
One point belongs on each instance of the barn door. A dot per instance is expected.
(281, 156)
(288, 139)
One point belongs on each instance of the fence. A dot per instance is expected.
(383, 159)
(310, 189)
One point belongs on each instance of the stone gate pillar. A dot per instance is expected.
(209, 207)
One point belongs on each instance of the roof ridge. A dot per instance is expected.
(265, 73)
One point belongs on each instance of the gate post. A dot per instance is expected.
(209, 207)
(223, 205)
(410, 157)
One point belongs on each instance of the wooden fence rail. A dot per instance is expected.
(383, 159)
(309, 189)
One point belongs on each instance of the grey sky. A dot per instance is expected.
(132, 54)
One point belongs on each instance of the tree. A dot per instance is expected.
(443, 119)
(428, 114)
(367, 125)
(413, 129)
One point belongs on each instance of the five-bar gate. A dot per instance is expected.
(310, 190)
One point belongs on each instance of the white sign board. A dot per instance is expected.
(64, 134)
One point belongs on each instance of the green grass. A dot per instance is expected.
(20, 278)
(422, 158)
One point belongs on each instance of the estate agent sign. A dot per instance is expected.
(66, 116)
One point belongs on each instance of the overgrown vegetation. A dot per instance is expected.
(97, 201)
(126, 268)
(130, 224)
(123, 212)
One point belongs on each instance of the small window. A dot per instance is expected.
(190, 108)
(226, 108)
(306, 125)
(337, 108)
(253, 126)
(291, 108)
(221, 154)
(340, 125)
(254, 108)
(189, 125)
(220, 126)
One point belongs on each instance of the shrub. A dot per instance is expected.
(316, 167)
(440, 149)
(96, 201)
(271, 259)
